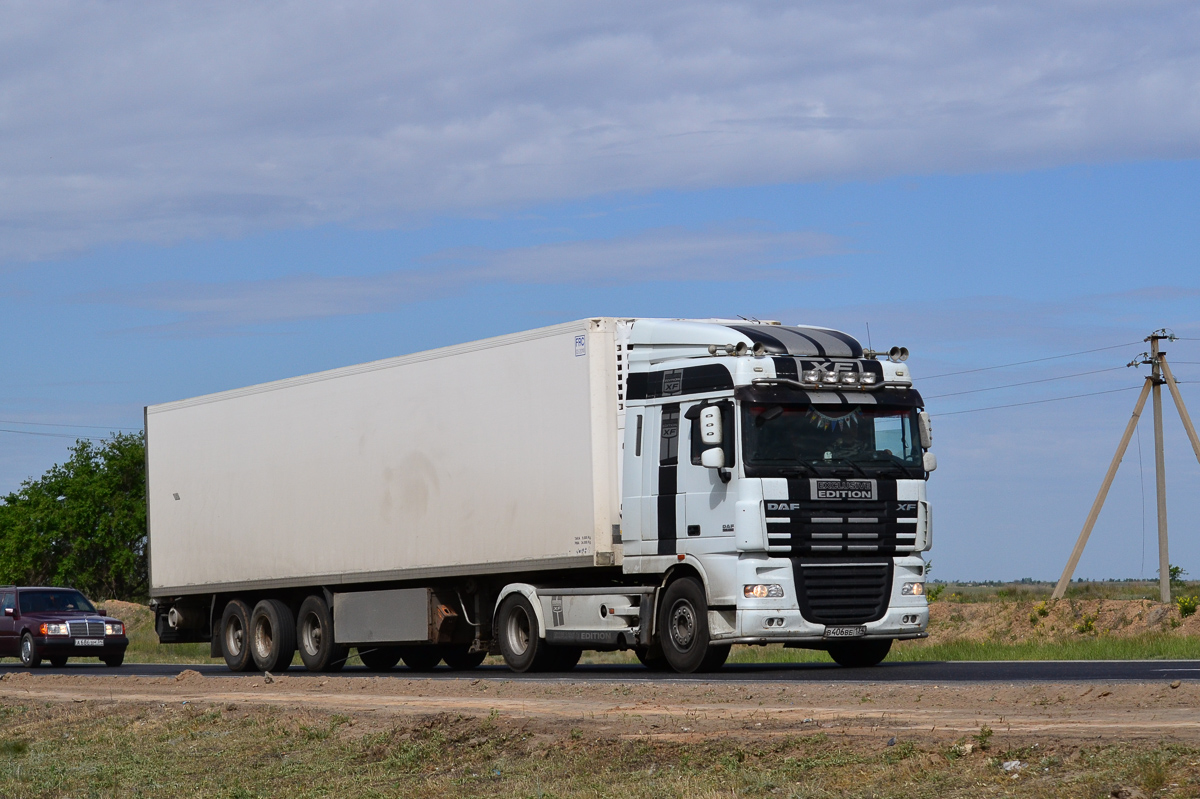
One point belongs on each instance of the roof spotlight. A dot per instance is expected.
(898, 354)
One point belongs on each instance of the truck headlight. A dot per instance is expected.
(912, 589)
(763, 591)
(51, 628)
(114, 628)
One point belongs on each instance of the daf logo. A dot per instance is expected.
(783, 506)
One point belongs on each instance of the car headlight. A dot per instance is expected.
(913, 589)
(763, 591)
(52, 628)
(114, 628)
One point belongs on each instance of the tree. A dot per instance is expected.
(83, 523)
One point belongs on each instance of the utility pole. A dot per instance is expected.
(1160, 373)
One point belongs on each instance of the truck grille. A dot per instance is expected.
(842, 591)
(841, 528)
(86, 629)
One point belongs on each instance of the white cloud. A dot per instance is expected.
(652, 255)
(157, 123)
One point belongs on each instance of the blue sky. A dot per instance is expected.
(193, 203)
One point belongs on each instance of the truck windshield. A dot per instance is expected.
(796, 440)
(50, 601)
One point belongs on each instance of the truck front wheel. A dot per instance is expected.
(272, 635)
(235, 636)
(683, 629)
(314, 637)
(860, 654)
(518, 630)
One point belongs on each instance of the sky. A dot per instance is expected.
(195, 199)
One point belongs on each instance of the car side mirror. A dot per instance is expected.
(100, 611)
(929, 461)
(713, 458)
(711, 434)
(926, 427)
(9, 611)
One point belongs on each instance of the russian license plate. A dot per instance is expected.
(845, 632)
(89, 642)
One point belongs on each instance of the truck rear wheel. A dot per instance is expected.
(235, 636)
(314, 637)
(683, 628)
(379, 658)
(860, 654)
(460, 657)
(517, 626)
(421, 658)
(272, 635)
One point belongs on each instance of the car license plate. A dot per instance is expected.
(845, 632)
(89, 642)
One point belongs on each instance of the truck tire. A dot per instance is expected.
(517, 628)
(272, 635)
(683, 628)
(860, 654)
(460, 658)
(30, 656)
(652, 657)
(235, 636)
(421, 658)
(314, 637)
(379, 658)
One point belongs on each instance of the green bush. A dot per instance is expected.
(1187, 605)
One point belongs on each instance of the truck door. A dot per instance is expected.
(709, 502)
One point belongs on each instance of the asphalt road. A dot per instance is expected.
(931, 672)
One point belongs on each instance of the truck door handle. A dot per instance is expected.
(693, 529)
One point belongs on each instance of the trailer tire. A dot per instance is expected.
(379, 658)
(517, 629)
(860, 654)
(272, 635)
(235, 636)
(421, 658)
(683, 626)
(460, 658)
(314, 637)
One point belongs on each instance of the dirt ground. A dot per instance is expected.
(1029, 620)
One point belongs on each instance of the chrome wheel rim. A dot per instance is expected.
(263, 638)
(517, 631)
(234, 636)
(310, 635)
(26, 651)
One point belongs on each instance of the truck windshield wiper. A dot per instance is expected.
(894, 461)
(852, 465)
(797, 470)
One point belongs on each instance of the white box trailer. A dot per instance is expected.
(438, 506)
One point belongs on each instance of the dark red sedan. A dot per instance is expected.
(55, 624)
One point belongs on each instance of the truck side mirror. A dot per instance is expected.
(713, 458)
(926, 427)
(710, 428)
(929, 461)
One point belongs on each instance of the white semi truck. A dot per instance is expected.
(671, 487)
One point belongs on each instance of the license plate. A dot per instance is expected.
(845, 632)
(89, 642)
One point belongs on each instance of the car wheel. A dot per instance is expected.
(460, 658)
(379, 658)
(57, 661)
(683, 626)
(30, 657)
(112, 661)
(421, 658)
(272, 635)
(314, 637)
(235, 636)
(518, 630)
(860, 654)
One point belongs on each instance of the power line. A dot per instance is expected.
(89, 426)
(1026, 382)
(1035, 360)
(49, 435)
(1038, 402)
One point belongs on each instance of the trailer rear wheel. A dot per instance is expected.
(459, 657)
(421, 658)
(272, 635)
(314, 637)
(235, 636)
(860, 654)
(379, 658)
(683, 628)
(518, 630)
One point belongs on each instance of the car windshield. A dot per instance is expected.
(49, 601)
(871, 440)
